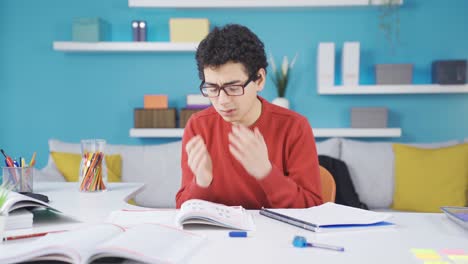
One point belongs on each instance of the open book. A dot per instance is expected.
(148, 243)
(196, 211)
(16, 201)
(330, 217)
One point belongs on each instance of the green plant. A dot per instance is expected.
(389, 20)
(5, 189)
(281, 76)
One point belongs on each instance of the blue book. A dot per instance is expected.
(330, 217)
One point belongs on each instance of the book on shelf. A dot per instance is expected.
(107, 243)
(197, 211)
(330, 217)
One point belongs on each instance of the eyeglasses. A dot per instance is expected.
(213, 90)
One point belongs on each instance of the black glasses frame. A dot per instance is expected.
(222, 87)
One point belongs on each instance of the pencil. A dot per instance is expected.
(31, 235)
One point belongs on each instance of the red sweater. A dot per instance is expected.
(294, 181)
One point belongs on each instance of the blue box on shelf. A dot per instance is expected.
(89, 29)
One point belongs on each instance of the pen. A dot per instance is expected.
(325, 246)
(301, 242)
(8, 160)
(30, 235)
(238, 234)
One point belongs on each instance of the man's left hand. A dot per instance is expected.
(250, 149)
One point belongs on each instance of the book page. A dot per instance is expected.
(70, 245)
(334, 214)
(150, 243)
(204, 212)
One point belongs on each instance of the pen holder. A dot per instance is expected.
(20, 178)
(93, 169)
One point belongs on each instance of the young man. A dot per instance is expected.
(244, 150)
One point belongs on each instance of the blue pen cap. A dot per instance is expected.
(300, 241)
(237, 234)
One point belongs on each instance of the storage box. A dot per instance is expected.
(449, 72)
(184, 116)
(369, 117)
(188, 29)
(152, 101)
(197, 101)
(394, 73)
(90, 30)
(326, 64)
(155, 118)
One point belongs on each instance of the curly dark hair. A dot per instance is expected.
(234, 43)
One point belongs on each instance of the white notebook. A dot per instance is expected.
(18, 219)
(330, 217)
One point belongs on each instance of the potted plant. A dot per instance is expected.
(4, 191)
(389, 20)
(281, 77)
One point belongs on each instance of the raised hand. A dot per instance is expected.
(250, 149)
(199, 161)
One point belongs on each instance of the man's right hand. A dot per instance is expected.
(199, 161)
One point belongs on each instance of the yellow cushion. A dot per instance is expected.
(426, 179)
(69, 166)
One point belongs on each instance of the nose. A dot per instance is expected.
(223, 98)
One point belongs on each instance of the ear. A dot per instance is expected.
(261, 79)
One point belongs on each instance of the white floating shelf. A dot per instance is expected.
(251, 3)
(318, 132)
(156, 132)
(357, 132)
(395, 89)
(124, 46)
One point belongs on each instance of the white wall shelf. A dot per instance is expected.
(251, 3)
(318, 132)
(395, 89)
(124, 46)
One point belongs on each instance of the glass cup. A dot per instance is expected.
(19, 178)
(93, 169)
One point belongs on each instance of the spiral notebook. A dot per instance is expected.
(330, 217)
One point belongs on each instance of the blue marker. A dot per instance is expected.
(301, 242)
(237, 234)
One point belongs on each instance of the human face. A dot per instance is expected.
(244, 109)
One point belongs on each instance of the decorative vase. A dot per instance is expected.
(281, 101)
(3, 219)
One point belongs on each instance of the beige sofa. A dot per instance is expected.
(158, 166)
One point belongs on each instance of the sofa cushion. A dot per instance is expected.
(69, 165)
(426, 179)
(330, 147)
(158, 166)
(371, 166)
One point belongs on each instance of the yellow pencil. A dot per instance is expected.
(33, 160)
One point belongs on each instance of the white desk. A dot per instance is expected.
(271, 242)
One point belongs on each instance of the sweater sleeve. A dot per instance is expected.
(189, 188)
(301, 188)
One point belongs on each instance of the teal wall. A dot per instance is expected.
(48, 94)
